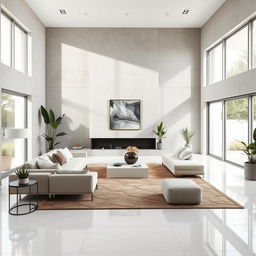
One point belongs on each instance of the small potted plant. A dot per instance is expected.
(187, 136)
(250, 166)
(23, 175)
(131, 156)
(160, 132)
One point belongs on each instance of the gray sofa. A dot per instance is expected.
(73, 178)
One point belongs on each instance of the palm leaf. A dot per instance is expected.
(45, 115)
(51, 117)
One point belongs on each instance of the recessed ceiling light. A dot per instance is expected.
(85, 13)
(186, 11)
(126, 14)
(63, 11)
(167, 14)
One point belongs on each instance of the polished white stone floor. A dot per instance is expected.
(139, 232)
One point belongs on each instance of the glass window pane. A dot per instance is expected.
(5, 40)
(215, 129)
(237, 53)
(13, 153)
(215, 64)
(236, 129)
(13, 111)
(29, 38)
(254, 44)
(254, 112)
(20, 49)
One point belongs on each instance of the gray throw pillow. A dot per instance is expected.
(186, 154)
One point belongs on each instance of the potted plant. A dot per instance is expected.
(23, 175)
(160, 132)
(131, 156)
(6, 159)
(52, 125)
(250, 166)
(187, 136)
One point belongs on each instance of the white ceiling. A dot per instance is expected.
(124, 13)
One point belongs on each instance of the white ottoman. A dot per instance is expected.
(181, 191)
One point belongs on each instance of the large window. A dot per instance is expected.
(14, 124)
(231, 56)
(215, 128)
(215, 64)
(16, 45)
(238, 123)
(237, 53)
(6, 40)
(236, 129)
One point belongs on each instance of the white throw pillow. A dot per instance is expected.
(45, 164)
(66, 153)
(186, 154)
(179, 151)
(72, 171)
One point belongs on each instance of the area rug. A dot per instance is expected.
(136, 194)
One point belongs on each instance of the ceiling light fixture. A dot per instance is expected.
(126, 14)
(63, 11)
(167, 14)
(186, 11)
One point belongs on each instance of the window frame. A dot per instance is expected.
(14, 24)
(224, 112)
(250, 38)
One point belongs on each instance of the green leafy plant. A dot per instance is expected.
(187, 134)
(160, 132)
(250, 149)
(22, 173)
(52, 125)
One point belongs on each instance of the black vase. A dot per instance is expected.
(130, 157)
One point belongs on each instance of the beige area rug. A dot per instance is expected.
(137, 194)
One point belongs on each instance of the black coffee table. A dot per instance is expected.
(31, 206)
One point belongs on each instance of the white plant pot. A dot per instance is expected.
(188, 145)
(249, 171)
(159, 145)
(23, 181)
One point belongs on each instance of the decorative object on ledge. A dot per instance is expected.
(131, 156)
(160, 132)
(23, 175)
(250, 151)
(187, 136)
(52, 125)
(124, 115)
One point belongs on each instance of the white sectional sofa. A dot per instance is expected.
(72, 178)
(182, 167)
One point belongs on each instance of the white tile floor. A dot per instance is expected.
(139, 232)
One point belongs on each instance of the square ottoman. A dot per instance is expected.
(181, 191)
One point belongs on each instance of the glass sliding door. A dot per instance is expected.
(254, 112)
(237, 126)
(14, 125)
(215, 129)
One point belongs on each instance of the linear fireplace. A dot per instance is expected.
(122, 143)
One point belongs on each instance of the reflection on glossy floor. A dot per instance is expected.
(140, 232)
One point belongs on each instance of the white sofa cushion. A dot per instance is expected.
(179, 151)
(76, 163)
(72, 171)
(44, 164)
(32, 164)
(66, 153)
(185, 154)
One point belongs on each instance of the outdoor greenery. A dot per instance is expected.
(187, 135)
(160, 132)
(22, 173)
(237, 109)
(7, 110)
(52, 125)
(7, 149)
(250, 150)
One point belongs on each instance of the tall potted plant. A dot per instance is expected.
(250, 166)
(52, 125)
(187, 136)
(160, 132)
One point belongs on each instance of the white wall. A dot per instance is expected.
(88, 67)
(34, 86)
(231, 15)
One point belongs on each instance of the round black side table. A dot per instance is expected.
(32, 206)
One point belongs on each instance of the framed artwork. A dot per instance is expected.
(124, 114)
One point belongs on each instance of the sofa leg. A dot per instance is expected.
(97, 186)
(50, 196)
(92, 196)
(53, 196)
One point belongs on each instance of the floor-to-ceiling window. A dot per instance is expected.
(234, 116)
(14, 126)
(236, 124)
(215, 128)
